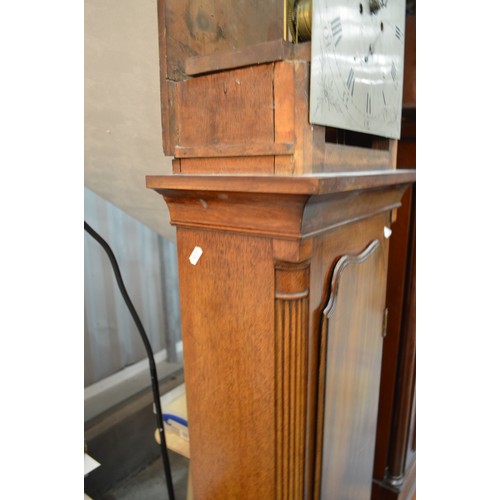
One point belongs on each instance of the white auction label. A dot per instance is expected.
(195, 255)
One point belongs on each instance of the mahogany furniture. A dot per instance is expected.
(283, 325)
(283, 233)
(394, 475)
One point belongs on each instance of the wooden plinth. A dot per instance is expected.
(283, 325)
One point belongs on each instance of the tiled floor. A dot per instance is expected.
(150, 484)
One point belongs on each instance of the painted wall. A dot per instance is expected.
(148, 266)
(122, 108)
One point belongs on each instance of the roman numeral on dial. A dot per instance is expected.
(350, 82)
(399, 33)
(336, 27)
(394, 71)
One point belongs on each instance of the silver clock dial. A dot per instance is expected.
(357, 64)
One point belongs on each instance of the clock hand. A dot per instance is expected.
(372, 45)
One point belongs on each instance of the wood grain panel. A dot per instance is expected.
(227, 303)
(284, 115)
(203, 27)
(303, 130)
(276, 50)
(351, 349)
(231, 107)
(337, 157)
(235, 150)
(232, 165)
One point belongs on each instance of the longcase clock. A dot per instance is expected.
(283, 312)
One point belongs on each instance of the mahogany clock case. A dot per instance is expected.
(292, 219)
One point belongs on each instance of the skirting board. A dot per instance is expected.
(120, 386)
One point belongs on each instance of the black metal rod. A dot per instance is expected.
(152, 364)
